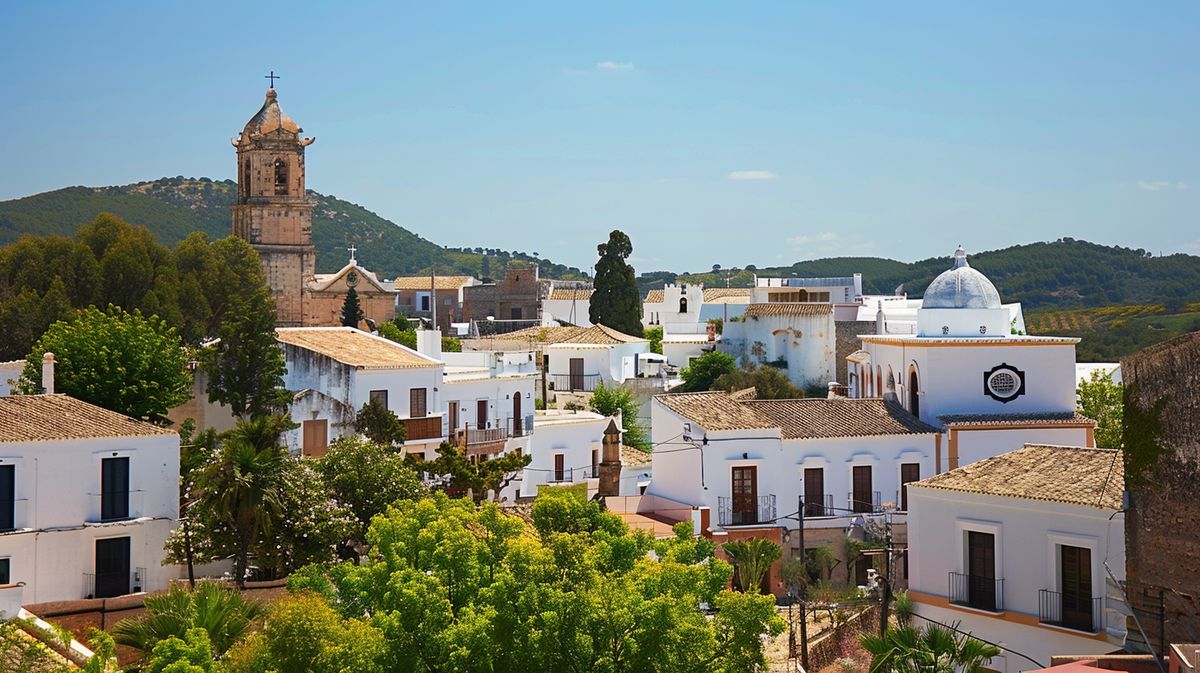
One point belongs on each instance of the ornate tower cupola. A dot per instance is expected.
(272, 212)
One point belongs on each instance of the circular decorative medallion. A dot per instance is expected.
(352, 278)
(1004, 383)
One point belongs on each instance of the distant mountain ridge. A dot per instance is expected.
(171, 208)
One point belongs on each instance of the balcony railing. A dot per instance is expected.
(488, 434)
(862, 506)
(574, 383)
(115, 506)
(745, 511)
(1069, 611)
(13, 514)
(974, 591)
(566, 475)
(819, 506)
(109, 585)
(520, 426)
(426, 427)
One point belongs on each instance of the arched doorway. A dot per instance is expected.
(914, 398)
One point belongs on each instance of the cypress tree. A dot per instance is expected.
(351, 311)
(616, 302)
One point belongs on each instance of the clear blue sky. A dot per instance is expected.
(876, 129)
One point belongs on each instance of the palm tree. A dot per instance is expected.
(937, 649)
(225, 614)
(752, 558)
(243, 484)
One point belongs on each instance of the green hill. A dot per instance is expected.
(171, 208)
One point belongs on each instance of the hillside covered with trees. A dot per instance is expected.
(172, 208)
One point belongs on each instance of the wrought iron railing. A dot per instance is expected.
(745, 511)
(976, 591)
(862, 505)
(109, 584)
(565, 475)
(574, 383)
(1070, 611)
(819, 506)
(520, 426)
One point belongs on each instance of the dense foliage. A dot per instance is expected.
(935, 648)
(609, 400)
(367, 477)
(224, 615)
(120, 361)
(655, 336)
(616, 302)
(352, 313)
(456, 473)
(1100, 399)
(451, 586)
(769, 383)
(172, 208)
(703, 373)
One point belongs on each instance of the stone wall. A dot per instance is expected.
(517, 297)
(324, 309)
(846, 341)
(1162, 523)
(827, 648)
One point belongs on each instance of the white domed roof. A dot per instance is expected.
(961, 287)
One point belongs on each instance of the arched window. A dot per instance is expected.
(802, 295)
(878, 381)
(891, 380)
(683, 304)
(245, 178)
(914, 400)
(281, 177)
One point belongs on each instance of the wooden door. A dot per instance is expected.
(316, 438)
(112, 567)
(559, 467)
(452, 417)
(814, 491)
(8, 496)
(908, 472)
(862, 495)
(481, 414)
(576, 382)
(745, 495)
(1076, 587)
(114, 489)
(981, 570)
(517, 419)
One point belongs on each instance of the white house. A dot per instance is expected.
(567, 449)
(580, 360)
(88, 498)
(794, 336)
(10, 373)
(1025, 550)
(839, 290)
(480, 400)
(898, 314)
(568, 302)
(966, 372)
(674, 305)
(724, 303)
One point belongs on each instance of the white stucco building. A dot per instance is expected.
(10, 373)
(1025, 550)
(579, 360)
(567, 449)
(481, 400)
(567, 302)
(965, 371)
(794, 336)
(674, 305)
(88, 497)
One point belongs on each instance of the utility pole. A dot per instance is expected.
(886, 580)
(804, 590)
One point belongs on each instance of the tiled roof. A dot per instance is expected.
(817, 417)
(716, 411)
(744, 394)
(354, 347)
(601, 335)
(655, 297)
(35, 418)
(726, 295)
(547, 335)
(1043, 418)
(1068, 474)
(634, 457)
(568, 294)
(422, 282)
(787, 309)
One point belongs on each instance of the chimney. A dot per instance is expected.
(610, 461)
(48, 373)
(429, 342)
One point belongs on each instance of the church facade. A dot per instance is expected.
(274, 215)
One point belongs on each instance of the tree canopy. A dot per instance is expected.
(704, 371)
(609, 401)
(1101, 399)
(616, 301)
(117, 360)
(352, 313)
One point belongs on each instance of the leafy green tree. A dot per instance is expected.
(936, 648)
(459, 474)
(224, 615)
(246, 367)
(655, 336)
(1101, 399)
(352, 313)
(313, 526)
(741, 622)
(705, 370)
(752, 558)
(380, 425)
(616, 301)
(120, 361)
(403, 335)
(190, 654)
(303, 633)
(769, 383)
(367, 478)
(609, 401)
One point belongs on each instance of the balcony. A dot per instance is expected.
(519, 426)
(425, 427)
(485, 435)
(974, 591)
(110, 585)
(746, 511)
(862, 506)
(567, 475)
(116, 506)
(574, 383)
(820, 505)
(1069, 611)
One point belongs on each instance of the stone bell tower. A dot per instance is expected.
(610, 461)
(272, 212)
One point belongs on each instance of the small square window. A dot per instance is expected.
(5, 571)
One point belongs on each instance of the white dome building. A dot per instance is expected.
(962, 302)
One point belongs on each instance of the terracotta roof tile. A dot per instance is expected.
(354, 347)
(1049, 418)
(634, 457)
(601, 335)
(655, 297)
(422, 282)
(726, 295)
(567, 294)
(546, 335)
(36, 418)
(716, 411)
(1067, 474)
(815, 418)
(787, 309)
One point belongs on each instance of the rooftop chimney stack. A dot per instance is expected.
(48, 373)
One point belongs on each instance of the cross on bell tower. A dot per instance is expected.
(272, 77)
